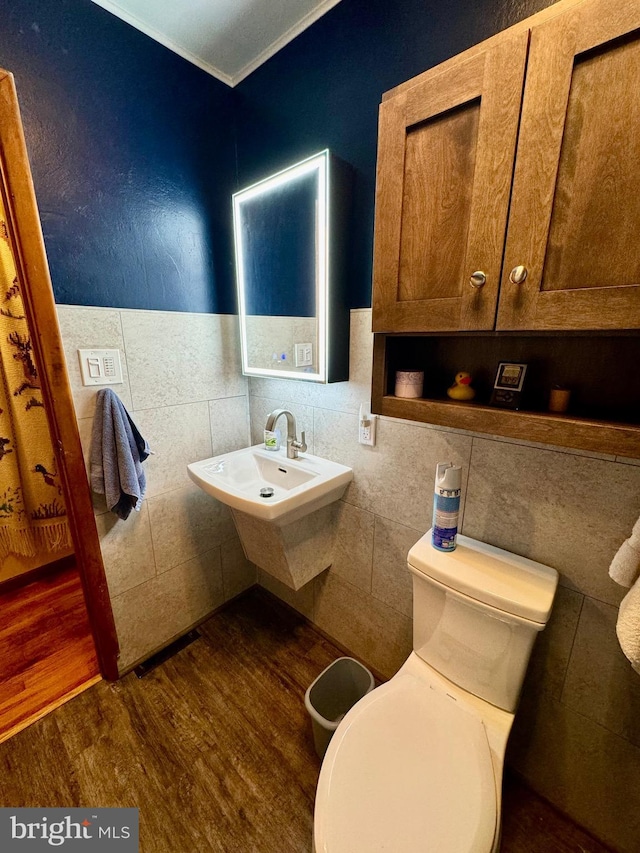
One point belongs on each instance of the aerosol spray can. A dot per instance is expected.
(446, 506)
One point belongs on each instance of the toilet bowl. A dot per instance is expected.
(416, 765)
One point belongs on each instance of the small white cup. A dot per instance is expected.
(409, 383)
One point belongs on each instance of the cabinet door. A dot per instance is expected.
(575, 210)
(445, 165)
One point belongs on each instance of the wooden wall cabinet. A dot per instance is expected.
(445, 162)
(508, 201)
(485, 169)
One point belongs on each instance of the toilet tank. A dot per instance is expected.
(476, 613)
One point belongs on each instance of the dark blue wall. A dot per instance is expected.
(323, 91)
(133, 150)
(132, 153)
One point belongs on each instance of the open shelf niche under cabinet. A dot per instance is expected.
(601, 369)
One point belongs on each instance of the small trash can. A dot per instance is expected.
(332, 694)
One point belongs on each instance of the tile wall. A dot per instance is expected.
(179, 558)
(577, 733)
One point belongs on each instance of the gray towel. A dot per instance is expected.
(117, 451)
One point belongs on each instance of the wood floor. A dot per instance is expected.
(46, 648)
(215, 748)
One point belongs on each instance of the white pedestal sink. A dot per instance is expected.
(284, 509)
(300, 486)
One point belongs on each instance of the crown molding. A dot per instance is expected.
(284, 39)
(156, 35)
(230, 79)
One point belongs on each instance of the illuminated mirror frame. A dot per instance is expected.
(332, 315)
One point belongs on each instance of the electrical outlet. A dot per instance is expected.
(367, 430)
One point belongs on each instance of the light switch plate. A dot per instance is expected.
(100, 366)
(304, 355)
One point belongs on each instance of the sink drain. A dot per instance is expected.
(266, 492)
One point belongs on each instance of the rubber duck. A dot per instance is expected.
(461, 388)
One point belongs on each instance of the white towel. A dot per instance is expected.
(625, 566)
(628, 627)
(625, 570)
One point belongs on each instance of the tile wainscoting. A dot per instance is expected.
(179, 558)
(577, 733)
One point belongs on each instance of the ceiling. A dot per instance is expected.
(227, 38)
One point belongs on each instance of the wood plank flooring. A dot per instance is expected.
(46, 649)
(215, 747)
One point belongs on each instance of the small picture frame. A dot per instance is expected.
(507, 388)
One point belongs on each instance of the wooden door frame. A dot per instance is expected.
(37, 292)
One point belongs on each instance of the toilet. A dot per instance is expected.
(416, 765)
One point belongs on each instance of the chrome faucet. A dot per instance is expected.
(293, 445)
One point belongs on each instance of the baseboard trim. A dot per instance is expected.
(25, 578)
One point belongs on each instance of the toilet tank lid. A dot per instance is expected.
(488, 574)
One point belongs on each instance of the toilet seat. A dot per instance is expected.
(407, 771)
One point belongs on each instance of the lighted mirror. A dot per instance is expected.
(290, 236)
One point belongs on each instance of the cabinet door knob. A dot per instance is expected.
(478, 279)
(518, 275)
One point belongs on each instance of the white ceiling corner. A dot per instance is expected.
(227, 38)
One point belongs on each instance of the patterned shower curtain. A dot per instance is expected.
(33, 516)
